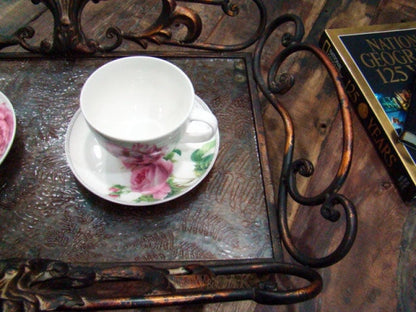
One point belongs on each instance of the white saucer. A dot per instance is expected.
(4, 102)
(104, 175)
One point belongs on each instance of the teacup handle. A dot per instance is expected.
(201, 116)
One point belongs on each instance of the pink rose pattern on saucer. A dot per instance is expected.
(154, 181)
(6, 127)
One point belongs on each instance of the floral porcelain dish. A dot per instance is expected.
(7, 126)
(108, 177)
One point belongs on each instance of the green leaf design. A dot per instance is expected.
(174, 187)
(145, 198)
(171, 155)
(117, 190)
(198, 154)
(201, 159)
(204, 163)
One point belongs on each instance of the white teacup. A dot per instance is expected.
(140, 107)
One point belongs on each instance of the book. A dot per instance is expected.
(408, 135)
(377, 64)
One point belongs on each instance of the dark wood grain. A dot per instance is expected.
(379, 272)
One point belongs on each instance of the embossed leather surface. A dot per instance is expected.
(46, 213)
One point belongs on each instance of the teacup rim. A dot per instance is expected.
(142, 140)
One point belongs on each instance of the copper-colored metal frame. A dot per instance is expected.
(42, 284)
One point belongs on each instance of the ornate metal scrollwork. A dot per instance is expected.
(69, 37)
(46, 285)
(328, 198)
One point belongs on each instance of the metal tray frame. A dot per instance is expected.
(44, 284)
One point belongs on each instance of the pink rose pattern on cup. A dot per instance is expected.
(154, 180)
(149, 172)
(6, 127)
(140, 154)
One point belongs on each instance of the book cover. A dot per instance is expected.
(377, 64)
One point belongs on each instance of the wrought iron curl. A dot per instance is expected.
(159, 32)
(328, 198)
(69, 37)
(21, 36)
(111, 33)
(231, 10)
(26, 33)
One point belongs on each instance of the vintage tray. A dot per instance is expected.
(63, 247)
(51, 215)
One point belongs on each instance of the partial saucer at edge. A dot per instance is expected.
(5, 101)
(104, 175)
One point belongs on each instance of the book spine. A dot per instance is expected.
(379, 138)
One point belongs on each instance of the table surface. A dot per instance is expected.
(378, 273)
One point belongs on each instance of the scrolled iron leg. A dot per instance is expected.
(328, 198)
